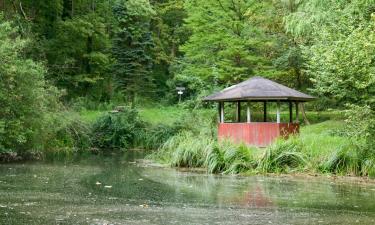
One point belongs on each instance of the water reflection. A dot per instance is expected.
(116, 190)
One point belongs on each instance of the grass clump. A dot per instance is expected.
(184, 150)
(229, 158)
(343, 160)
(187, 149)
(283, 156)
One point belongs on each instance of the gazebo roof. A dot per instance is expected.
(258, 88)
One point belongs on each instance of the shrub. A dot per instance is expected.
(361, 128)
(117, 130)
(68, 135)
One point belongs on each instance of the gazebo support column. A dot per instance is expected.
(290, 112)
(248, 113)
(221, 112)
(264, 111)
(278, 112)
(297, 113)
(238, 112)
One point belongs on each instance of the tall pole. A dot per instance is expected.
(265, 111)
(278, 112)
(248, 113)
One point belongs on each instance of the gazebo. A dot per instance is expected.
(255, 90)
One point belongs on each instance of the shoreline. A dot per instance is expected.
(297, 175)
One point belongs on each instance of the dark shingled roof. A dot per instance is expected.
(258, 88)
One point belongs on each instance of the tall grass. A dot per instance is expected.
(320, 148)
(282, 156)
(189, 150)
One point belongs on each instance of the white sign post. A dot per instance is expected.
(180, 92)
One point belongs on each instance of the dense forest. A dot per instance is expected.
(58, 55)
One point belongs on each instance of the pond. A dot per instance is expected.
(117, 190)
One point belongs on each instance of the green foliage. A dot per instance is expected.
(117, 130)
(78, 55)
(361, 127)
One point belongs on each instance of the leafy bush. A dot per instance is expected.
(68, 135)
(117, 130)
(361, 128)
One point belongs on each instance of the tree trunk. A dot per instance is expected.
(302, 107)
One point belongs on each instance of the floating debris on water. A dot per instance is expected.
(144, 206)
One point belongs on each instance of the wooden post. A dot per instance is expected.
(238, 114)
(297, 113)
(219, 112)
(222, 112)
(265, 111)
(278, 112)
(248, 112)
(290, 112)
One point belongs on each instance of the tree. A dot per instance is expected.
(72, 37)
(339, 45)
(132, 46)
(25, 97)
(168, 34)
(225, 46)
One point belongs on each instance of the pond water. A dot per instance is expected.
(116, 190)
